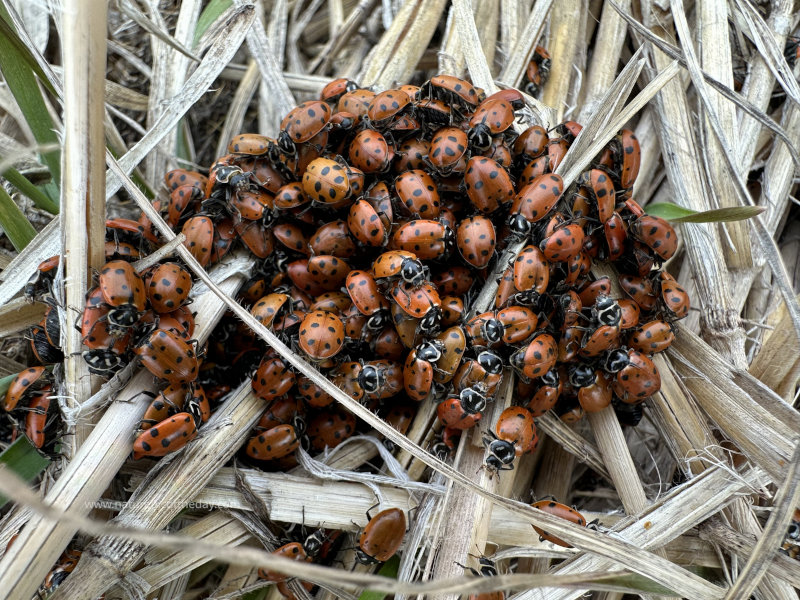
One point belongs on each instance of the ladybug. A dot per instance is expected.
(66, 564)
(448, 151)
(475, 239)
(629, 314)
(381, 379)
(313, 394)
(411, 154)
(179, 177)
(41, 281)
(168, 401)
(418, 369)
(634, 376)
(418, 194)
(565, 243)
(488, 569)
(640, 290)
(602, 191)
(382, 536)
(538, 357)
(592, 291)
(170, 435)
(417, 301)
(302, 123)
(629, 153)
(290, 196)
(463, 411)
(538, 198)
(674, 299)
(492, 117)
(273, 379)
(593, 387)
(537, 71)
(558, 510)
(370, 152)
(293, 551)
(546, 395)
(123, 290)
(615, 236)
(433, 113)
(328, 272)
(387, 345)
(530, 144)
(652, 337)
(455, 280)
(453, 343)
(656, 233)
(388, 106)
(453, 310)
(531, 274)
(365, 224)
(484, 330)
(199, 232)
(453, 91)
(337, 88)
(321, 335)
(36, 417)
(399, 417)
(291, 237)
(400, 264)
(24, 383)
(326, 182)
(251, 144)
(169, 357)
(330, 428)
(280, 412)
(168, 287)
(487, 184)
(514, 434)
(356, 102)
(483, 373)
(274, 443)
(367, 297)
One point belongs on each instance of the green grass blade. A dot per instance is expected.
(388, 569)
(17, 227)
(19, 70)
(5, 383)
(668, 210)
(39, 197)
(24, 460)
(210, 14)
(678, 214)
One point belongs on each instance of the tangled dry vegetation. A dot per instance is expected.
(693, 502)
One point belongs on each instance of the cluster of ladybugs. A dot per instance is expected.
(376, 219)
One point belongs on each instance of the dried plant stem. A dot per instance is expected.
(563, 46)
(777, 364)
(18, 315)
(520, 55)
(83, 197)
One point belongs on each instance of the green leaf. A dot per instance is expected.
(723, 215)
(39, 197)
(20, 71)
(668, 210)
(24, 460)
(388, 569)
(18, 229)
(210, 14)
(678, 214)
(5, 383)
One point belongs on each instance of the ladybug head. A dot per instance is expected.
(377, 321)
(430, 322)
(103, 362)
(472, 400)
(519, 225)
(364, 558)
(488, 568)
(493, 330)
(370, 379)
(490, 362)
(607, 311)
(581, 376)
(430, 351)
(413, 271)
(550, 379)
(313, 543)
(285, 144)
(122, 318)
(480, 137)
(615, 360)
(501, 453)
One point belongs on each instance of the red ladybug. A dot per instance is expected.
(418, 369)
(370, 152)
(452, 90)
(652, 337)
(538, 198)
(273, 379)
(165, 437)
(41, 281)
(169, 357)
(546, 395)
(657, 234)
(448, 151)
(337, 88)
(387, 106)
(558, 510)
(274, 443)
(538, 357)
(476, 238)
(367, 297)
(593, 387)
(427, 239)
(326, 182)
(492, 117)
(25, 383)
(514, 434)
(292, 551)
(381, 379)
(418, 195)
(487, 184)
(321, 335)
(199, 232)
(36, 417)
(635, 377)
(630, 155)
(330, 428)
(483, 373)
(400, 264)
(168, 287)
(66, 564)
(382, 536)
(303, 123)
(123, 290)
(674, 299)
(463, 411)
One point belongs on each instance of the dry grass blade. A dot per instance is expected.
(19, 314)
(222, 49)
(137, 16)
(47, 243)
(783, 505)
(479, 71)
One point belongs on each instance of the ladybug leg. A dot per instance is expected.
(594, 525)
(369, 517)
